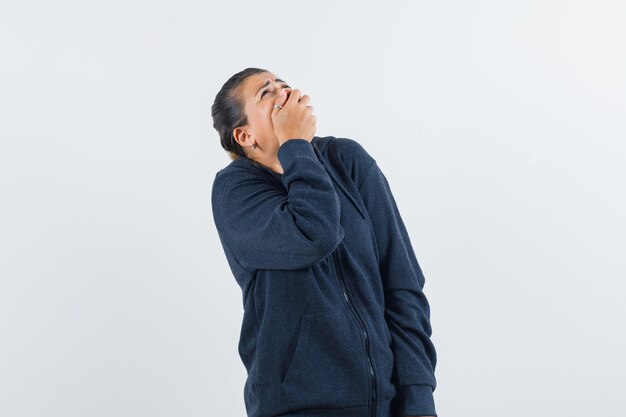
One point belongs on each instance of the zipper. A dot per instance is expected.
(372, 376)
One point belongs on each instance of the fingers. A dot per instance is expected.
(280, 100)
(304, 100)
(291, 99)
(294, 97)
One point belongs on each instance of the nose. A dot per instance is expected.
(281, 86)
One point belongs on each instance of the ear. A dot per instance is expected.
(242, 136)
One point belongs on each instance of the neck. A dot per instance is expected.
(273, 164)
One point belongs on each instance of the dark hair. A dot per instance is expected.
(228, 111)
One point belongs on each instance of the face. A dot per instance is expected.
(259, 93)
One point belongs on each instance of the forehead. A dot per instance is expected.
(254, 82)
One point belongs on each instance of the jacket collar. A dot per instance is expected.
(319, 142)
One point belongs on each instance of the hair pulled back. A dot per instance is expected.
(228, 111)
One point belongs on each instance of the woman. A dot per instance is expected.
(335, 320)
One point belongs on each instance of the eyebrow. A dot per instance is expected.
(266, 84)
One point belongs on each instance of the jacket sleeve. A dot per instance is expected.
(265, 227)
(407, 310)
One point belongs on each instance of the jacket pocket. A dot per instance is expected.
(328, 367)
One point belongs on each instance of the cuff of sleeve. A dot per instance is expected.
(295, 148)
(415, 400)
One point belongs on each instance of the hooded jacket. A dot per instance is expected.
(335, 320)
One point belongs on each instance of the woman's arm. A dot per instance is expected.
(407, 310)
(265, 228)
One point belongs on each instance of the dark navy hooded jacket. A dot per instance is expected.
(335, 319)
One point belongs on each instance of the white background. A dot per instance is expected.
(499, 124)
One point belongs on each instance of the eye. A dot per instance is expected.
(265, 91)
